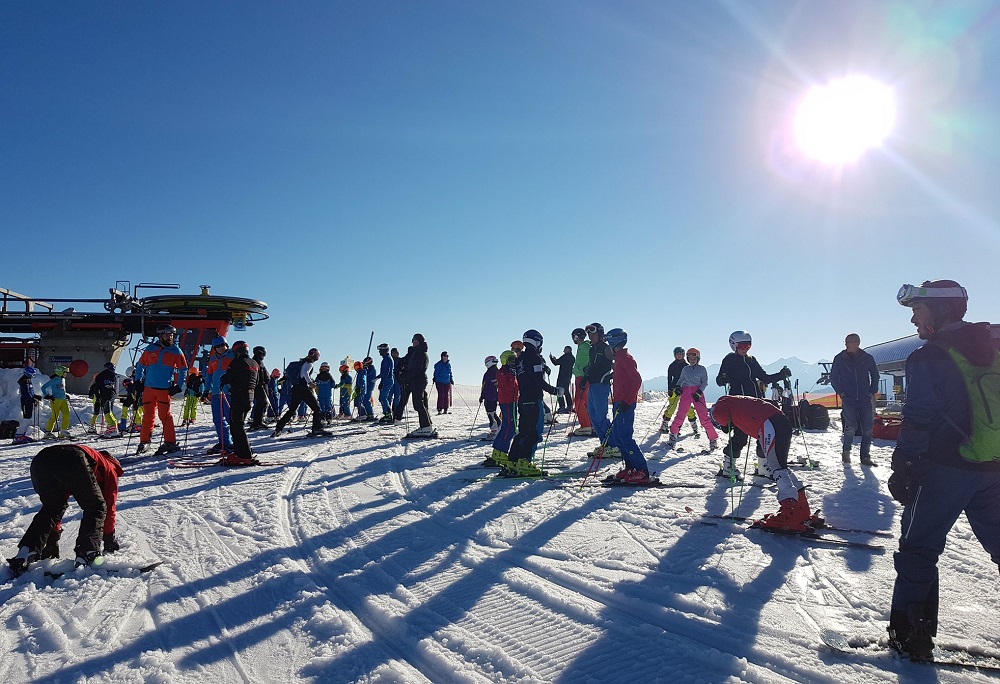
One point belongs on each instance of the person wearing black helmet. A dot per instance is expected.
(260, 392)
(160, 374)
(947, 455)
(530, 371)
(106, 388)
(586, 429)
(239, 382)
(599, 373)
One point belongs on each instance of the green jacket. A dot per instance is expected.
(582, 359)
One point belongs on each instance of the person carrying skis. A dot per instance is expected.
(674, 392)
(530, 370)
(415, 364)
(740, 373)
(299, 376)
(947, 455)
(370, 376)
(27, 391)
(324, 392)
(598, 379)
(218, 364)
(443, 380)
(488, 393)
(106, 387)
(386, 383)
(54, 391)
(771, 428)
(194, 388)
(89, 476)
(346, 386)
(565, 363)
(854, 377)
(507, 394)
(627, 385)
(585, 429)
(239, 382)
(261, 401)
(160, 372)
(691, 385)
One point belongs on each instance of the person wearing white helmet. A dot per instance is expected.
(947, 455)
(741, 374)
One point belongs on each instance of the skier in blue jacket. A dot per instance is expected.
(360, 389)
(387, 383)
(370, 376)
(324, 392)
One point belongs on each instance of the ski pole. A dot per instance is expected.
(658, 414)
(569, 438)
(595, 463)
(474, 421)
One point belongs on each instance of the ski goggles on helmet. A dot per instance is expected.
(595, 328)
(744, 345)
(909, 293)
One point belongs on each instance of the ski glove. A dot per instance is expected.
(786, 372)
(698, 396)
(173, 390)
(111, 543)
(722, 379)
(560, 391)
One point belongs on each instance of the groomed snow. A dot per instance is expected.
(365, 558)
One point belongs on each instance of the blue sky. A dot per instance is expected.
(470, 170)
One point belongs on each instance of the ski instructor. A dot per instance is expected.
(947, 456)
(160, 373)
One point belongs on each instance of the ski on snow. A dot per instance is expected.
(812, 536)
(115, 569)
(944, 656)
(221, 462)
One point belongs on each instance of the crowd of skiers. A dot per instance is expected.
(946, 461)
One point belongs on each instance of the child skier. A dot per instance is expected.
(28, 396)
(131, 400)
(360, 389)
(692, 383)
(531, 383)
(324, 392)
(674, 392)
(386, 383)
(586, 429)
(443, 380)
(55, 391)
(194, 387)
(625, 394)
(488, 394)
(761, 418)
(105, 386)
(507, 398)
(370, 377)
(346, 386)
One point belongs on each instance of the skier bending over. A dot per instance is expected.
(771, 428)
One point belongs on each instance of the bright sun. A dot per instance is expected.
(835, 124)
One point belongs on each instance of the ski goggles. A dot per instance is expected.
(743, 345)
(908, 293)
(594, 328)
(693, 355)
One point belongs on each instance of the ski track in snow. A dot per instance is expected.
(369, 558)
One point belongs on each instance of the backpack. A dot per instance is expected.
(8, 429)
(293, 371)
(983, 385)
(814, 416)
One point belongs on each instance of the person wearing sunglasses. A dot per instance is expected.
(947, 455)
(741, 374)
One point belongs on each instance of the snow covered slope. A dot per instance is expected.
(368, 558)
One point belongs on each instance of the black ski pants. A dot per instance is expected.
(239, 407)
(419, 393)
(260, 404)
(58, 472)
(301, 393)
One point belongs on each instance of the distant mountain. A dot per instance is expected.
(807, 374)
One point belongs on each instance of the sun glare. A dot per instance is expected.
(837, 123)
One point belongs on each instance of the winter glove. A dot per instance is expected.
(699, 396)
(452, 382)
(675, 392)
(206, 395)
(48, 397)
(785, 372)
(902, 482)
(111, 543)
(38, 397)
(174, 390)
(722, 379)
(560, 391)
(625, 407)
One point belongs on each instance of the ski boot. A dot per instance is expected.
(19, 563)
(523, 468)
(319, 432)
(426, 431)
(583, 432)
(866, 459)
(672, 442)
(729, 470)
(142, 447)
(911, 631)
(64, 434)
(497, 459)
(234, 460)
(845, 456)
(713, 444)
(112, 431)
(51, 549)
(167, 448)
(89, 559)
(763, 469)
(48, 435)
(91, 430)
(792, 517)
(694, 428)
(635, 476)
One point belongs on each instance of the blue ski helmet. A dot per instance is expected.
(616, 338)
(30, 370)
(220, 341)
(532, 337)
(678, 350)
